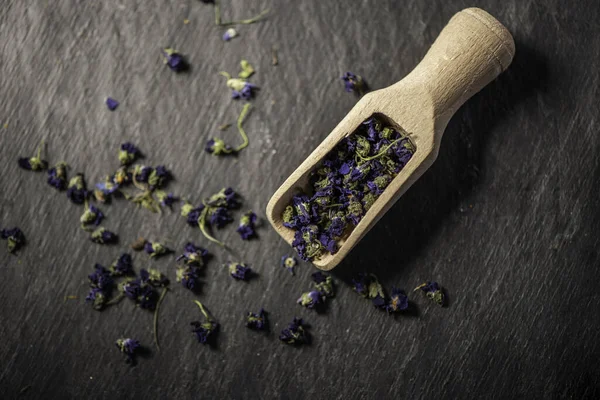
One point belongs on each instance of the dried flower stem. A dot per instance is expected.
(240, 121)
(115, 300)
(202, 225)
(240, 22)
(160, 299)
(203, 310)
(386, 148)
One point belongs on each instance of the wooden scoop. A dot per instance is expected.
(472, 50)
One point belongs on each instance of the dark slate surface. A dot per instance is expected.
(507, 219)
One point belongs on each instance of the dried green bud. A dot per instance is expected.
(246, 71)
(368, 200)
(288, 215)
(363, 147)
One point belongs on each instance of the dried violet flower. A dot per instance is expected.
(217, 147)
(148, 180)
(398, 301)
(91, 215)
(257, 321)
(122, 266)
(229, 34)
(323, 289)
(128, 153)
(57, 176)
(111, 103)
(153, 277)
(344, 186)
(14, 237)
(77, 190)
(246, 229)
(166, 199)
(433, 291)
(204, 330)
(141, 292)
(354, 83)
(101, 283)
(189, 277)
(368, 286)
(239, 271)
(103, 236)
(34, 163)
(213, 212)
(295, 333)
(289, 263)
(193, 255)
(191, 213)
(155, 249)
(174, 60)
(128, 347)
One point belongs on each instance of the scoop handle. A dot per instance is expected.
(470, 52)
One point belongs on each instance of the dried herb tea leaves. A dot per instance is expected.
(14, 237)
(204, 330)
(34, 163)
(217, 147)
(344, 186)
(257, 321)
(433, 291)
(247, 228)
(57, 176)
(128, 347)
(294, 334)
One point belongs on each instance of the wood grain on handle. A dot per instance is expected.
(470, 52)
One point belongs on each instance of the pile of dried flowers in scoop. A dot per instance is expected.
(345, 185)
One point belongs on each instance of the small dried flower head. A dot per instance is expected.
(323, 284)
(103, 236)
(289, 263)
(239, 271)
(191, 213)
(226, 197)
(219, 216)
(101, 278)
(311, 299)
(193, 255)
(57, 176)
(122, 266)
(189, 277)
(204, 330)
(121, 177)
(353, 83)
(112, 104)
(245, 92)
(155, 249)
(158, 177)
(380, 302)
(105, 189)
(97, 297)
(77, 191)
(141, 173)
(153, 277)
(398, 301)
(128, 347)
(246, 229)
(229, 34)
(294, 333)
(174, 60)
(256, 321)
(141, 292)
(14, 237)
(217, 147)
(128, 153)
(166, 200)
(34, 163)
(433, 291)
(91, 215)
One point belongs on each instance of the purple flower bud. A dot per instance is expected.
(112, 104)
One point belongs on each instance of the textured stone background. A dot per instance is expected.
(507, 219)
